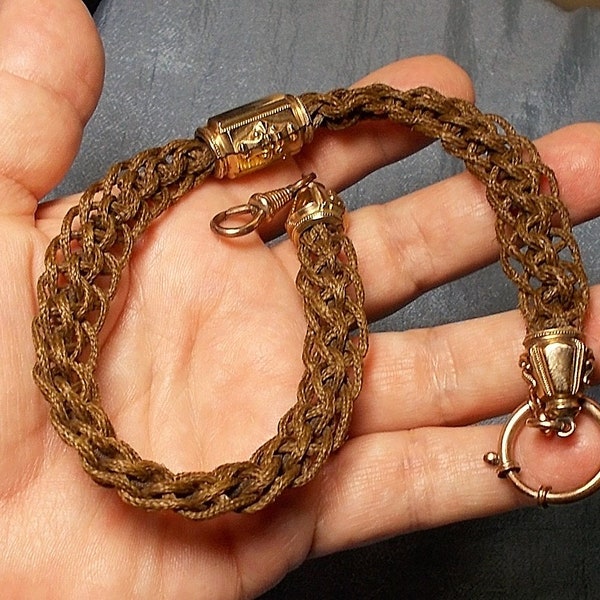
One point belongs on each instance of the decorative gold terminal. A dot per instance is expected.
(255, 135)
(313, 204)
(557, 366)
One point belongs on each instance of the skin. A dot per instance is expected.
(189, 388)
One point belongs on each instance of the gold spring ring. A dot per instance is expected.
(509, 469)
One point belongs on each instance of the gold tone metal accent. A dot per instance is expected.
(507, 468)
(557, 366)
(261, 208)
(313, 204)
(255, 135)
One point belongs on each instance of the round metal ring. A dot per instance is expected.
(256, 217)
(509, 469)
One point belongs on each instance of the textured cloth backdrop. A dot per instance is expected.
(173, 63)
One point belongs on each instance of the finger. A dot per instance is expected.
(386, 484)
(454, 374)
(446, 230)
(51, 66)
(344, 157)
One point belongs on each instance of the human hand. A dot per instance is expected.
(201, 353)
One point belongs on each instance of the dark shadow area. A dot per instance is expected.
(92, 5)
(527, 554)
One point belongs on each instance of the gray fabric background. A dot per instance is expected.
(173, 63)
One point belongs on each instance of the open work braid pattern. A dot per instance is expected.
(84, 263)
(83, 266)
(537, 248)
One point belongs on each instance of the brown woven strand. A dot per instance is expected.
(84, 263)
(537, 248)
(83, 267)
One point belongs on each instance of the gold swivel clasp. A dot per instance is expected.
(261, 208)
(310, 203)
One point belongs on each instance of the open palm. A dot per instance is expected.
(201, 352)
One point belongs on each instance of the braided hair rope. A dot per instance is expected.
(537, 249)
(84, 263)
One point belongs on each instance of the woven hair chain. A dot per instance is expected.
(84, 263)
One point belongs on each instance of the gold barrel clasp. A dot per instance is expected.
(255, 135)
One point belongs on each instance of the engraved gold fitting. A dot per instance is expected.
(252, 136)
(313, 204)
(557, 365)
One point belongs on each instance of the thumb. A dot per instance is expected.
(51, 71)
